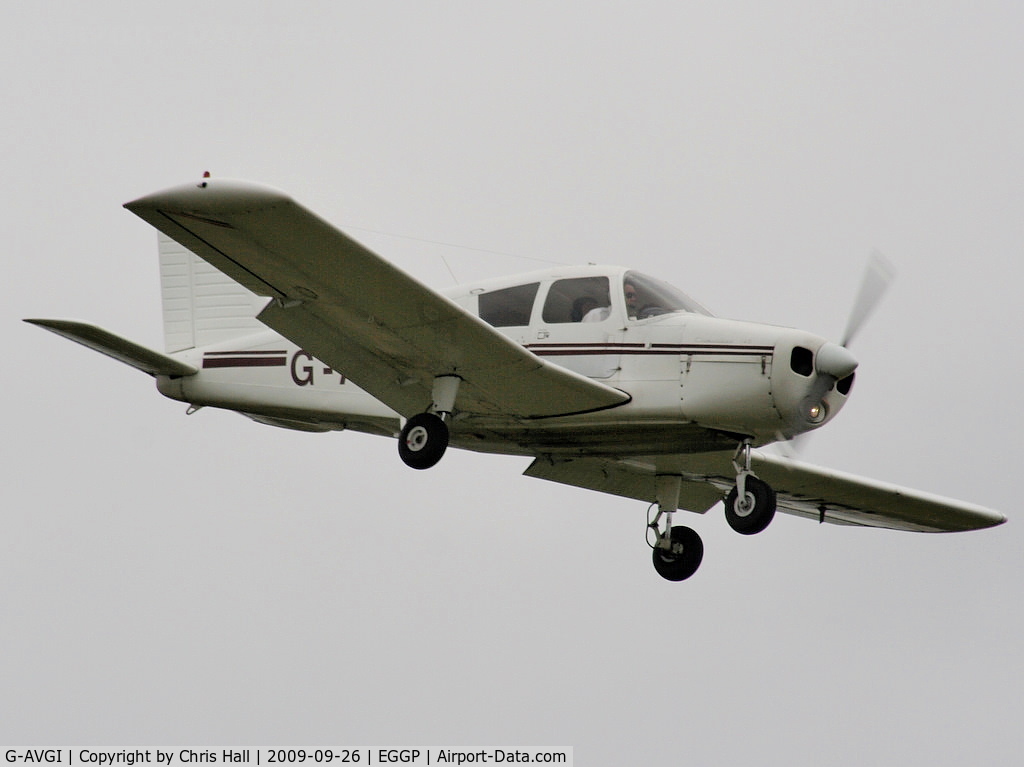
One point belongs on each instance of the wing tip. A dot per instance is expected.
(997, 519)
(221, 195)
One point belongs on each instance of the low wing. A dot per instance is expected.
(834, 496)
(801, 489)
(358, 313)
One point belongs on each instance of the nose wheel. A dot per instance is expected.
(750, 505)
(754, 511)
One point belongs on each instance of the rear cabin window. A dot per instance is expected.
(508, 307)
(572, 300)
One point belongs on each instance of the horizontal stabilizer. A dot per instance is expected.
(121, 349)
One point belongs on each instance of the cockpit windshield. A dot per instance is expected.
(649, 297)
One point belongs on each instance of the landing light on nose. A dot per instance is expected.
(834, 360)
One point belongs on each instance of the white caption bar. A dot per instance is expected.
(284, 757)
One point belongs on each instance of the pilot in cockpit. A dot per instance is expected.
(632, 299)
(644, 299)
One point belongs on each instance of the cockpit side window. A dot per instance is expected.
(580, 299)
(648, 297)
(508, 307)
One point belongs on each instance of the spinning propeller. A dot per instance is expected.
(833, 362)
(877, 275)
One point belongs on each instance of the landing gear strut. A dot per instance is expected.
(424, 438)
(750, 506)
(678, 551)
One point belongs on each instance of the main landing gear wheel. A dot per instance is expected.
(754, 511)
(423, 440)
(682, 558)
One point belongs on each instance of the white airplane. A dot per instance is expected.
(609, 379)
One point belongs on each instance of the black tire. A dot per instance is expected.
(757, 513)
(423, 441)
(685, 557)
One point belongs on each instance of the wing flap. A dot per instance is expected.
(626, 478)
(358, 313)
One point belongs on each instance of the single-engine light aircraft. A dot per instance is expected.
(609, 379)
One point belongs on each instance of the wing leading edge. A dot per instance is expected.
(358, 313)
(801, 489)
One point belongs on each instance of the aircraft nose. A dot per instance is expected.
(835, 361)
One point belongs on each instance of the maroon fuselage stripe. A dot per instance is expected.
(637, 352)
(259, 353)
(244, 362)
(565, 350)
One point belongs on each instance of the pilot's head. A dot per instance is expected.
(632, 299)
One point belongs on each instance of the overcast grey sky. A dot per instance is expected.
(181, 581)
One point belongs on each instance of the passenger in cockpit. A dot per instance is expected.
(587, 309)
(582, 306)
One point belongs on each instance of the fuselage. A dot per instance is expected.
(696, 382)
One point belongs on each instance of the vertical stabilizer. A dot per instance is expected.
(201, 304)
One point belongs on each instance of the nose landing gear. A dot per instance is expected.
(750, 505)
